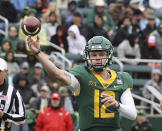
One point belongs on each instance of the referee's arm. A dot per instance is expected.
(18, 117)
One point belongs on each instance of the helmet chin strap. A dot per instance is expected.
(98, 69)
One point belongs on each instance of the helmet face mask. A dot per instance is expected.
(95, 63)
(101, 46)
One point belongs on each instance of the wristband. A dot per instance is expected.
(37, 52)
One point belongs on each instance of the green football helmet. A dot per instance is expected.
(98, 43)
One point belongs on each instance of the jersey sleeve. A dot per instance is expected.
(76, 71)
(128, 81)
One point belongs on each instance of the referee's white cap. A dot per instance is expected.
(3, 65)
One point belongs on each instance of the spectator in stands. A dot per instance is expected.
(51, 8)
(155, 82)
(130, 48)
(31, 117)
(5, 47)
(134, 5)
(24, 69)
(13, 67)
(37, 74)
(31, 59)
(41, 102)
(67, 15)
(148, 16)
(32, 12)
(59, 38)
(157, 34)
(123, 31)
(8, 10)
(98, 29)
(99, 10)
(128, 13)
(51, 25)
(150, 27)
(54, 117)
(21, 50)
(117, 11)
(24, 13)
(24, 89)
(12, 36)
(37, 86)
(142, 123)
(67, 102)
(78, 20)
(148, 46)
(149, 49)
(39, 7)
(161, 104)
(76, 43)
(21, 47)
(137, 14)
(45, 3)
(27, 12)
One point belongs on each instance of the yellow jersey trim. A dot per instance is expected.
(103, 82)
(128, 88)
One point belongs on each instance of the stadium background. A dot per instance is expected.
(121, 22)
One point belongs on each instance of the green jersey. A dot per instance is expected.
(92, 112)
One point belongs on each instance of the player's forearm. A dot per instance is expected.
(127, 106)
(53, 71)
(128, 111)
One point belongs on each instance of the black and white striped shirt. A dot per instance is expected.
(12, 105)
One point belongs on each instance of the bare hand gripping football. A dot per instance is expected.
(31, 26)
(34, 45)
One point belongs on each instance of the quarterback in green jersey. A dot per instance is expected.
(102, 94)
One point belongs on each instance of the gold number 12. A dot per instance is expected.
(100, 112)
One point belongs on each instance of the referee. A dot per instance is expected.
(11, 104)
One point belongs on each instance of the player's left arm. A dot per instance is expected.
(19, 111)
(127, 107)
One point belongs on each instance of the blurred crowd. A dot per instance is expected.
(133, 26)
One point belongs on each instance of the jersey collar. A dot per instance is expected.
(105, 83)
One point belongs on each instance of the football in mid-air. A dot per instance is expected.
(31, 26)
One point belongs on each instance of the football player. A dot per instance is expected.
(102, 94)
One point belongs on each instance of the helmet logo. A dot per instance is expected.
(97, 46)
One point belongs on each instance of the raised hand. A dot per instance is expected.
(33, 45)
